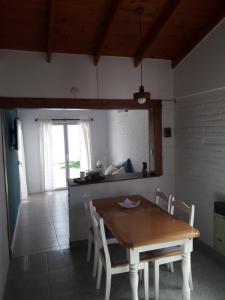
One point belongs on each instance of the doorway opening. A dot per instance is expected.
(53, 146)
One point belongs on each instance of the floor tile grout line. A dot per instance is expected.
(51, 221)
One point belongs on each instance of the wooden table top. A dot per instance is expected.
(146, 224)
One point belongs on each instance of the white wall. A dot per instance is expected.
(200, 156)
(27, 74)
(200, 129)
(31, 137)
(128, 136)
(204, 68)
(4, 248)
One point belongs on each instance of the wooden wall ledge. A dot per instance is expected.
(11, 102)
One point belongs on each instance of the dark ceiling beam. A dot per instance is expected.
(155, 29)
(76, 103)
(104, 29)
(50, 29)
(216, 19)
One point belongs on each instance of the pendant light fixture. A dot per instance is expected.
(141, 96)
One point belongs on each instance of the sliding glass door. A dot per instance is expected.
(59, 158)
(66, 153)
(74, 150)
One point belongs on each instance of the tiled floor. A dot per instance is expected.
(55, 272)
(65, 275)
(43, 224)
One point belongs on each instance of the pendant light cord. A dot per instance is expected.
(140, 44)
(97, 81)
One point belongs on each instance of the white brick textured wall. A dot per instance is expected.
(128, 134)
(200, 156)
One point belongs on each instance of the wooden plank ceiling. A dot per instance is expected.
(171, 28)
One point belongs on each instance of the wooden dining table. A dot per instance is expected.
(144, 228)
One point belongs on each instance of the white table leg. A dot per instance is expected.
(186, 275)
(134, 281)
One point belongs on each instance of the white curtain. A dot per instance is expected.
(86, 147)
(46, 150)
(22, 165)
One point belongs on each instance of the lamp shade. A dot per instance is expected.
(142, 97)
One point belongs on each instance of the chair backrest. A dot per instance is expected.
(88, 214)
(99, 233)
(162, 200)
(184, 209)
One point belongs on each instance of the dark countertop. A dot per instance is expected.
(112, 178)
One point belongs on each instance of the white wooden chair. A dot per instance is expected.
(163, 200)
(111, 267)
(92, 240)
(172, 254)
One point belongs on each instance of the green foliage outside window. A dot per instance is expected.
(72, 165)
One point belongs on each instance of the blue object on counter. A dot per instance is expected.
(127, 164)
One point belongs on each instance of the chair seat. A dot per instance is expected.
(162, 253)
(108, 233)
(114, 262)
(120, 261)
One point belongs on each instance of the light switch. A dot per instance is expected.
(167, 132)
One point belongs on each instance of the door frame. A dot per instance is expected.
(10, 238)
(154, 104)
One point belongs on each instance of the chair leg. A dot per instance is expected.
(95, 260)
(171, 267)
(140, 275)
(108, 285)
(146, 281)
(191, 281)
(156, 280)
(99, 274)
(89, 249)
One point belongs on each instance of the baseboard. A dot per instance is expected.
(15, 231)
(209, 250)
